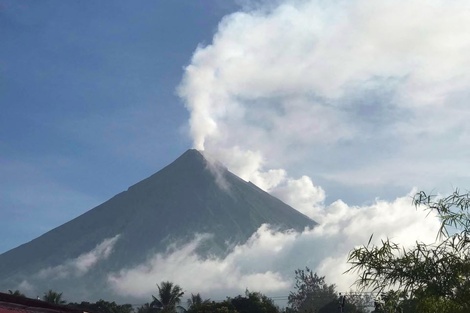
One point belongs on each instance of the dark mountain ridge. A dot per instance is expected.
(191, 195)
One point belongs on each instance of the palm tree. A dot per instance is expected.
(196, 302)
(169, 296)
(145, 308)
(53, 297)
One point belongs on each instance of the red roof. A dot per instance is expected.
(15, 304)
(16, 309)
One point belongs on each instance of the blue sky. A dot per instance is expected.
(353, 100)
(87, 94)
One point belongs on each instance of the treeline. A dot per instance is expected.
(311, 295)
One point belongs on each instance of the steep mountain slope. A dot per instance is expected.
(188, 196)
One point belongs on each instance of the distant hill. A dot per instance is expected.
(189, 196)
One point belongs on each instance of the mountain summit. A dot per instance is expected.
(190, 196)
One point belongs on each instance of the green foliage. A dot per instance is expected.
(145, 308)
(254, 302)
(313, 295)
(435, 275)
(438, 305)
(102, 306)
(393, 302)
(357, 302)
(53, 297)
(225, 306)
(169, 296)
(195, 303)
(311, 292)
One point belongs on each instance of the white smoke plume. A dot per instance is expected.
(357, 92)
(369, 95)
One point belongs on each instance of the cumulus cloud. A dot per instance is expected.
(82, 264)
(183, 265)
(303, 195)
(354, 92)
(266, 262)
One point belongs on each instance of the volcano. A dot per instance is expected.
(190, 196)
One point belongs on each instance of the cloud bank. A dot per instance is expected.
(266, 262)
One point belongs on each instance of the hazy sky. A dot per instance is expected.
(314, 101)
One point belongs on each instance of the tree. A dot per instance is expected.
(196, 302)
(435, 276)
(312, 293)
(354, 302)
(53, 297)
(393, 302)
(225, 306)
(145, 308)
(254, 302)
(16, 293)
(103, 306)
(169, 296)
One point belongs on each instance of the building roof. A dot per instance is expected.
(16, 304)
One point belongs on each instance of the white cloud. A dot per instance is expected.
(184, 266)
(347, 90)
(303, 195)
(266, 262)
(82, 264)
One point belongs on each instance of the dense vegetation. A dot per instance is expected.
(311, 295)
(427, 278)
